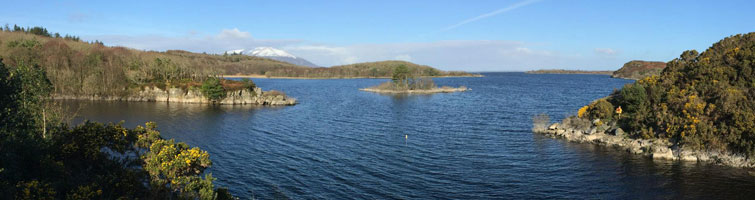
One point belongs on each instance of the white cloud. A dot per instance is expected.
(469, 55)
(226, 39)
(234, 33)
(473, 55)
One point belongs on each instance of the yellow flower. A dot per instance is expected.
(188, 162)
(581, 112)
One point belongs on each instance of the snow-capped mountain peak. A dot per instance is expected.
(269, 52)
(275, 54)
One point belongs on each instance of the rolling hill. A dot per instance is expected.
(90, 68)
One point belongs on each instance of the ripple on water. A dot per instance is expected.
(341, 143)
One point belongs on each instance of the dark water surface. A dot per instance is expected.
(343, 143)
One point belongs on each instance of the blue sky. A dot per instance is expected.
(502, 35)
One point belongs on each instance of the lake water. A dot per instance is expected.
(342, 143)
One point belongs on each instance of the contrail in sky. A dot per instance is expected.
(490, 14)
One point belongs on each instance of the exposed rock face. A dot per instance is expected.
(239, 97)
(638, 69)
(655, 148)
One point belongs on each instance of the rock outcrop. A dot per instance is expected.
(581, 130)
(179, 95)
(638, 69)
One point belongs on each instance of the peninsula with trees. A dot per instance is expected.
(93, 71)
(700, 108)
(404, 81)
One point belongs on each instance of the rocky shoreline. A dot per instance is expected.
(179, 95)
(595, 132)
(428, 91)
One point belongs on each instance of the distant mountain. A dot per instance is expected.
(279, 55)
(638, 69)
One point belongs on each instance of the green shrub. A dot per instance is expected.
(248, 83)
(212, 89)
(601, 109)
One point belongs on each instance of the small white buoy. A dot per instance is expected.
(406, 137)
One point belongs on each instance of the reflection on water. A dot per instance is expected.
(343, 143)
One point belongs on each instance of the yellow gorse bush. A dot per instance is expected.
(173, 164)
(581, 112)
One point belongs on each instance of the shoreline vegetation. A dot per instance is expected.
(43, 157)
(564, 71)
(403, 82)
(700, 108)
(91, 70)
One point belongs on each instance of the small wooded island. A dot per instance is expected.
(404, 82)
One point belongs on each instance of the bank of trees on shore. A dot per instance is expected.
(43, 158)
(381, 69)
(82, 68)
(404, 79)
(700, 100)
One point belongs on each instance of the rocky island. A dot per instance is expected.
(403, 82)
(700, 108)
(443, 89)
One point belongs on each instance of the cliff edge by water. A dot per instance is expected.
(193, 95)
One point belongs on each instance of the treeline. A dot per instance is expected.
(41, 157)
(38, 30)
(80, 68)
(403, 79)
(703, 101)
(91, 68)
(381, 69)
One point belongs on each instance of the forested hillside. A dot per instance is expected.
(91, 68)
(703, 101)
(381, 69)
(82, 68)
